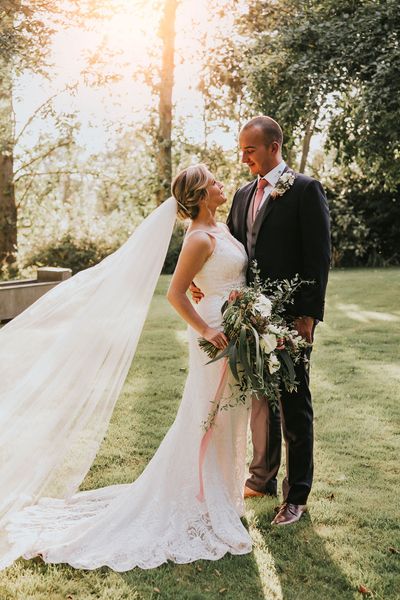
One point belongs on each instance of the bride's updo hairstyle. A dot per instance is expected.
(190, 187)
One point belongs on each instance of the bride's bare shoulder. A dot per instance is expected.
(198, 242)
(202, 233)
(198, 238)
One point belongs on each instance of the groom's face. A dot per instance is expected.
(259, 157)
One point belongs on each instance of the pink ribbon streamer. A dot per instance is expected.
(205, 440)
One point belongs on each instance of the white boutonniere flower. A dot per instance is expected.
(284, 183)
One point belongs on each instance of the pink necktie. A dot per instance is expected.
(262, 183)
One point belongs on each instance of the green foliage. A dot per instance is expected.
(70, 252)
(25, 33)
(350, 234)
(283, 56)
(331, 67)
(129, 182)
(26, 30)
(81, 199)
(365, 127)
(325, 64)
(26, 27)
(225, 104)
(174, 248)
(365, 221)
(90, 238)
(381, 212)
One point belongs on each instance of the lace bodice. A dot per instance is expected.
(224, 271)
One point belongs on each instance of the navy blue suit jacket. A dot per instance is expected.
(294, 237)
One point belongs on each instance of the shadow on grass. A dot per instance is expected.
(356, 491)
(305, 568)
(233, 577)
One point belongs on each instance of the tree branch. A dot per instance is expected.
(42, 157)
(28, 187)
(63, 172)
(39, 109)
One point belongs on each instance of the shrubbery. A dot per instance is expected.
(174, 248)
(365, 223)
(71, 252)
(81, 253)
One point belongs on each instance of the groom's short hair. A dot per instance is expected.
(271, 130)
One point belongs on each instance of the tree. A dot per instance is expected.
(166, 83)
(291, 68)
(364, 126)
(8, 210)
(23, 39)
(26, 27)
(327, 63)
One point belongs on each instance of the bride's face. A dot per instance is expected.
(216, 196)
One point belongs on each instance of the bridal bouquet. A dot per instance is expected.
(263, 348)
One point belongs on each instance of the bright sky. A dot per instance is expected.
(132, 37)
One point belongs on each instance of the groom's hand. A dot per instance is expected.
(305, 326)
(196, 293)
(233, 295)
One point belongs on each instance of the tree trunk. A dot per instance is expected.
(290, 157)
(8, 209)
(164, 156)
(306, 144)
(8, 213)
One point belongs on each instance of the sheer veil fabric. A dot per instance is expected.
(74, 349)
(63, 362)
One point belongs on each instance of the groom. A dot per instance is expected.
(287, 232)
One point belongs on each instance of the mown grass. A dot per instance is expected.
(350, 537)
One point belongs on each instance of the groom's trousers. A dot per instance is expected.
(296, 418)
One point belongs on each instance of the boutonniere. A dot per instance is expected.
(284, 183)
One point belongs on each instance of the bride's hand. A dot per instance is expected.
(216, 337)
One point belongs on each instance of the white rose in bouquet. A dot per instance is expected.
(296, 340)
(268, 342)
(273, 364)
(263, 305)
(275, 329)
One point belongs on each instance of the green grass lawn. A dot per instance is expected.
(350, 537)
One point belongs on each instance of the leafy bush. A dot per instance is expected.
(365, 219)
(350, 234)
(174, 248)
(71, 252)
(81, 253)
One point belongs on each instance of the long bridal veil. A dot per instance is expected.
(63, 363)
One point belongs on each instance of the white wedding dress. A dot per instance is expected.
(159, 516)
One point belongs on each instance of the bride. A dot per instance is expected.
(187, 503)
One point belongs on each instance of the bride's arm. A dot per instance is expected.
(194, 254)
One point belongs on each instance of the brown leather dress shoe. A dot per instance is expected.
(249, 493)
(289, 513)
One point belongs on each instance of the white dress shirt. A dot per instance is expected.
(272, 178)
